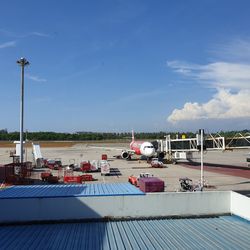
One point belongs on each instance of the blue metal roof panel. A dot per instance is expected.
(226, 232)
(39, 191)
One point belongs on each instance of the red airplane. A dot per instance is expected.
(143, 148)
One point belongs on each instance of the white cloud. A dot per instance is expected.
(223, 105)
(35, 78)
(22, 34)
(230, 79)
(8, 44)
(35, 33)
(237, 49)
(217, 75)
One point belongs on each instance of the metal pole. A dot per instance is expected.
(22, 62)
(26, 146)
(202, 175)
(169, 144)
(21, 113)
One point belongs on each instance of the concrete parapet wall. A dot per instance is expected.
(240, 205)
(149, 205)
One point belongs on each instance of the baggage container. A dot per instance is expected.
(87, 177)
(14, 173)
(85, 166)
(53, 179)
(151, 184)
(6, 171)
(72, 179)
(104, 157)
(105, 167)
(45, 176)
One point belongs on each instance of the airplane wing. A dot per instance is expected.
(124, 153)
(112, 148)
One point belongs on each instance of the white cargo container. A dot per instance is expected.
(105, 167)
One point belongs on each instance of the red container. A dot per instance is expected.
(53, 179)
(104, 157)
(85, 166)
(151, 184)
(72, 179)
(45, 176)
(87, 177)
(5, 171)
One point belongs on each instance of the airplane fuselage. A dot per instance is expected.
(143, 148)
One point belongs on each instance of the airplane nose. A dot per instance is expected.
(150, 152)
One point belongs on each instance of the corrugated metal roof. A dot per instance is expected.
(39, 191)
(226, 232)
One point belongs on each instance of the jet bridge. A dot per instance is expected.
(192, 144)
(182, 149)
(238, 141)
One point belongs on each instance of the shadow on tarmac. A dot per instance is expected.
(216, 165)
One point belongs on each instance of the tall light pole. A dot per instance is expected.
(22, 62)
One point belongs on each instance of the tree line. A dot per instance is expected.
(97, 136)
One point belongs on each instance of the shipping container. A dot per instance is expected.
(151, 184)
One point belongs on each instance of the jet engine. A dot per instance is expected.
(125, 155)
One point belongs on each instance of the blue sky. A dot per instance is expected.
(115, 65)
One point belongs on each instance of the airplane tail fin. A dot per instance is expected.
(133, 135)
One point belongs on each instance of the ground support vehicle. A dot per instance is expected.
(155, 163)
(53, 164)
(135, 180)
(188, 186)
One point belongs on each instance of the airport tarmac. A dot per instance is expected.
(222, 170)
